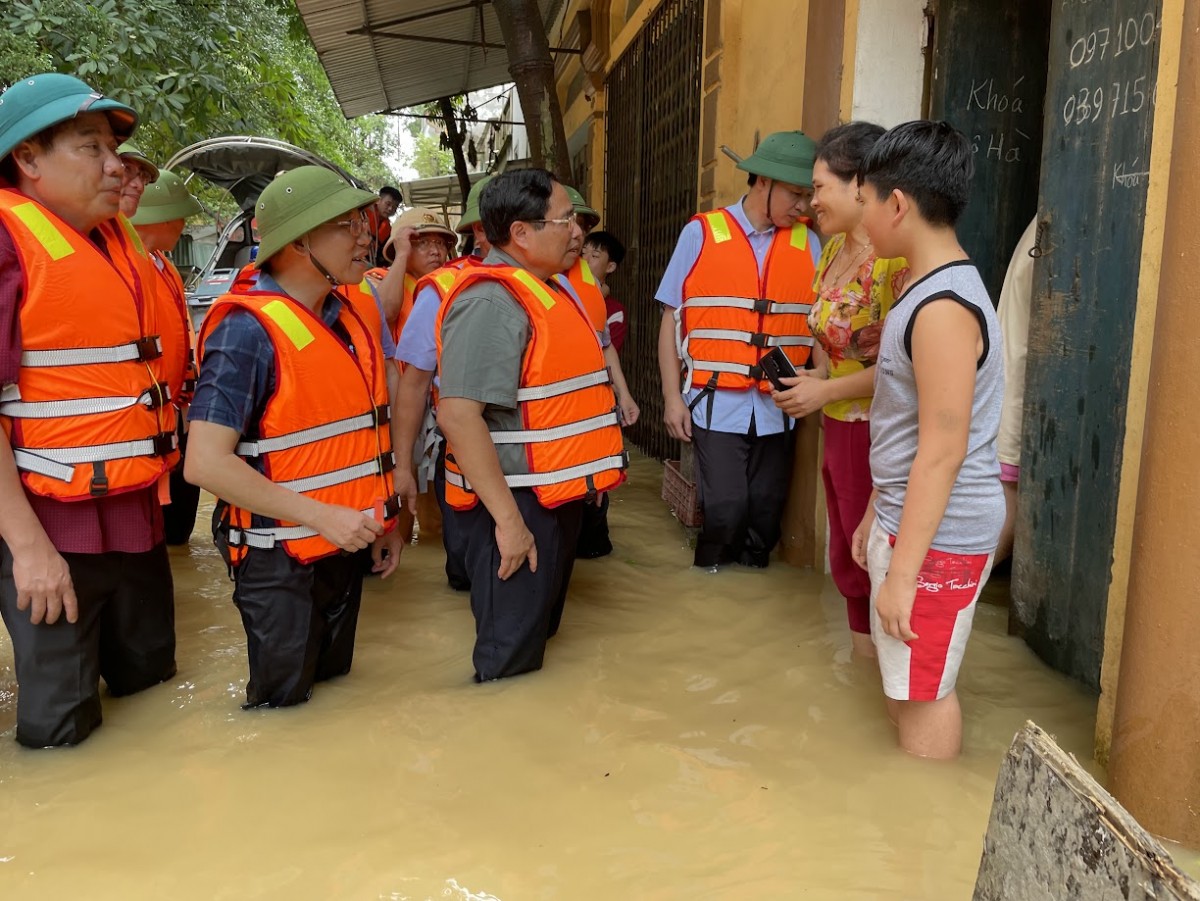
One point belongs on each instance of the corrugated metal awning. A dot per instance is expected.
(425, 57)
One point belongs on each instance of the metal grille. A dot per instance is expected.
(650, 187)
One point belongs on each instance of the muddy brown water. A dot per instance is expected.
(691, 736)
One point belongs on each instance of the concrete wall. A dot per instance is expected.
(889, 67)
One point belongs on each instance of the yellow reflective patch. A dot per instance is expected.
(540, 291)
(132, 234)
(719, 226)
(444, 280)
(365, 287)
(585, 272)
(800, 236)
(284, 317)
(51, 239)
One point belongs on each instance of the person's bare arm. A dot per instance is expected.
(946, 344)
(461, 420)
(212, 464)
(676, 415)
(40, 574)
(629, 407)
(408, 413)
(810, 391)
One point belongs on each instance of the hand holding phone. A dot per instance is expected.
(776, 366)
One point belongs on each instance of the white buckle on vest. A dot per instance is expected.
(265, 539)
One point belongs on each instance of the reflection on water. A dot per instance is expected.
(692, 736)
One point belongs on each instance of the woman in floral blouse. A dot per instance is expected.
(855, 290)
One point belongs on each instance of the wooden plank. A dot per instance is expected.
(1056, 835)
(1095, 165)
(989, 81)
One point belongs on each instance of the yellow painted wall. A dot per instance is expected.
(762, 57)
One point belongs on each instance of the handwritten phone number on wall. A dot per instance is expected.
(1126, 98)
(1127, 36)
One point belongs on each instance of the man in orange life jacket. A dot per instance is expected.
(289, 427)
(379, 216)
(416, 351)
(530, 419)
(420, 243)
(159, 218)
(85, 583)
(740, 283)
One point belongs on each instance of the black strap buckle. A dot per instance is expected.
(760, 339)
(383, 414)
(164, 443)
(756, 372)
(188, 386)
(157, 395)
(99, 485)
(387, 462)
(148, 348)
(762, 305)
(391, 507)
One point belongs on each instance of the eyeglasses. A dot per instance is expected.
(565, 220)
(357, 225)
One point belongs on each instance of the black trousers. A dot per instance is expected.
(743, 483)
(125, 634)
(593, 531)
(515, 618)
(179, 516)
(300, 621)
(453, 541)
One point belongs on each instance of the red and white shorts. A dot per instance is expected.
(948, 587)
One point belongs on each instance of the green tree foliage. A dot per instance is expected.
(196, 69)
(429, 158)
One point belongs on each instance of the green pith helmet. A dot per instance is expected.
(166, 200)
(582, 210)
(128, 152)
(470, 214)
(35, 103)
(298, 201)
(785, 156)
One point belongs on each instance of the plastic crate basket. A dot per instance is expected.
(681, 496)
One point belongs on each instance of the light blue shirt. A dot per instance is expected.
(418, 339)
(732, 411)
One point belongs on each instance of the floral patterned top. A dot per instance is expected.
(848, 321)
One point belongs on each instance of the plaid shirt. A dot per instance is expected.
(129, 522)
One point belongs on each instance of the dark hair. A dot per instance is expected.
(931, 162)
(389, 191)
(844, 147)
(9, 171)
(607, 242)
(519, 195)
(752, 179)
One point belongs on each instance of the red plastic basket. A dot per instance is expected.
(681, 496)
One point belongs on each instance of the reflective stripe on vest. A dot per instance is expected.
(89, 414)
(267, 538)
(733, 312)
(558, 476)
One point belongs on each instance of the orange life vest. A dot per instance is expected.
(731, 315)
(245, 280)
(589, 293)
(324, 431)
(89, 414)
(572, 431)
(178, 333)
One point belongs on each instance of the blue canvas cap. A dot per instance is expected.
(36, 103)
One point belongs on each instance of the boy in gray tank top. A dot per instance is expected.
(929, 535)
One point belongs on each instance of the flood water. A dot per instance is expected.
(691, 736)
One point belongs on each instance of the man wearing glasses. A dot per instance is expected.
(289, 428)
(530, 419)
(739, 284)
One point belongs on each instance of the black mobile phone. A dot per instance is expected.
(776, 366)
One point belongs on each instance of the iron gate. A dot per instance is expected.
(653, 145)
